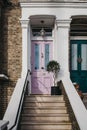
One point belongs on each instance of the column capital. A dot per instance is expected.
(24, 23)
(63, 23)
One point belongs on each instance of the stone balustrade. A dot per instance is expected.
(3, 124)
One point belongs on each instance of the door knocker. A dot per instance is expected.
(79, 59)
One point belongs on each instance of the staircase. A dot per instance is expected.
(42, 112)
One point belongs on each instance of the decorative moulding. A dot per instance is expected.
(59, 1)
(54, 3)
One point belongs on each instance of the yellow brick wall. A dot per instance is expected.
(10, 51)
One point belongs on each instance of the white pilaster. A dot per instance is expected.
(62, 45)
(25, 46)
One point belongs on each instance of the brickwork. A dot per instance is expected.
(1, 48)
(10, 51)
(1, 45)
(6, 92)
(0, 104)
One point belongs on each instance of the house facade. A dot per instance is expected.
(35, 32)
(54, 30)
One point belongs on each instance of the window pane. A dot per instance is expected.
(74, 57)
(84, 57)
(36, 56)
(46, 54)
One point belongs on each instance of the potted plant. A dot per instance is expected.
(54, 67)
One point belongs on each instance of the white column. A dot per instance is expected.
(25, 46)
(62, 45)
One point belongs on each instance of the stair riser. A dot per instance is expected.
(27, 111)
(45, 119)
(49, 98)
(29, 104)
(47, 127)
(45, 113)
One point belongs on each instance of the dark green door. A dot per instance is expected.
(79, 63)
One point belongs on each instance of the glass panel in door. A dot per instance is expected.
(46, 55)
(74, 56)
(84, 56)
(36, 56)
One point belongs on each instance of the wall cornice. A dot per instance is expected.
(58, 1)
(53, 4)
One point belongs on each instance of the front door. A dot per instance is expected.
(79, 63)
(41, 80)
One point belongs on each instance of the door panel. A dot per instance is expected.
(79, 63)
(84, 57)
(74, 56)
(41, 80)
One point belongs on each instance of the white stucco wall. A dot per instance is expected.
(63, 13)
(60, 10)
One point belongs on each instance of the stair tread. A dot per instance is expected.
(46, 107)
(46, 123)
(43, 95)
(47, 129)
(50, 101)
(46, 114)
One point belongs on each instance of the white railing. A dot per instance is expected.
(3, 125)
(13, 111)
(77, 105)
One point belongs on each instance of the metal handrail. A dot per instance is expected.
(20, 103)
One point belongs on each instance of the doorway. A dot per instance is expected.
(79, 63)
(41, 54)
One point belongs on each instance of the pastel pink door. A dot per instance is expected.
(41, 80)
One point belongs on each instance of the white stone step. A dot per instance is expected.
(44, 103)
(45, 117)
(46, 126)
(44, 98)
(44, 110)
